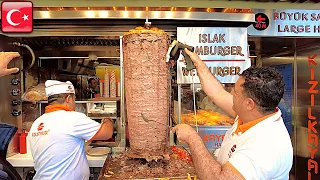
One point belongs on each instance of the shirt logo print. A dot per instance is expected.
(233, 149)
(40, 127)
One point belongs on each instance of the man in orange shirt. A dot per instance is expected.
(258, 145)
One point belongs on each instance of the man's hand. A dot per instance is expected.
(5, 58)
(198, 63)
(185, 133)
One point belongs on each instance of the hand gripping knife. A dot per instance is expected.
(174, 51)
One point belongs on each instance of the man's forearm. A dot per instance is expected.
(108, 128)
(209, 83)
(105, 132)
(214, 89)
(206, 166)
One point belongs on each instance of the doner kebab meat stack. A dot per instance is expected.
(146, 87)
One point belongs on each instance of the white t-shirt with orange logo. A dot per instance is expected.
(57, 145)
(262, 152)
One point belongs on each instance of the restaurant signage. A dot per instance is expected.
(279, 22)
(224, 50)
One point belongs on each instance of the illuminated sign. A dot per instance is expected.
(224, 50)
(287, 23)
(261, 22)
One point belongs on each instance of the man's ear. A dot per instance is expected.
(250, 104)
(69, 98)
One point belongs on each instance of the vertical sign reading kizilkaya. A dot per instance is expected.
(224, 50)
(313, 138)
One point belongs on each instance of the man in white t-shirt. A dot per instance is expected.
(258, 145)
(57, 137)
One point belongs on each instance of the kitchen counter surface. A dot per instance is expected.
(25, 160)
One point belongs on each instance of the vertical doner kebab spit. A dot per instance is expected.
(145, 53)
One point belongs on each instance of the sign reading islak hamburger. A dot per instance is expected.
(224, 50)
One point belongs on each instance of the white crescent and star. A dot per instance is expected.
(9, 20)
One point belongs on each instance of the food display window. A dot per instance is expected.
(195, 108)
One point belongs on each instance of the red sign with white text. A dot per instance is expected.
(16, 17)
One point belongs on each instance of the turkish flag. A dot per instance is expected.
(16, 17)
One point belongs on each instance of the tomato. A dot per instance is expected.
(181, 153)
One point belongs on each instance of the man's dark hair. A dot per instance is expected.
(265, 86)
(58, 98)
(90, 80)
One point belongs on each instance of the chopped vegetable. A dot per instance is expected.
(181, 153)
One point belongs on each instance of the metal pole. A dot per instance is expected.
(258, 50)
(122, 99)
(179, 103)
(295, 98)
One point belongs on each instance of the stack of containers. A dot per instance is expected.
(101, 87)
(113, 86)
(109, 76)
(106, 83)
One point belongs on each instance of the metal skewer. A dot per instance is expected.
(146, 119)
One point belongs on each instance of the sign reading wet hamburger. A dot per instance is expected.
(224, 50)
